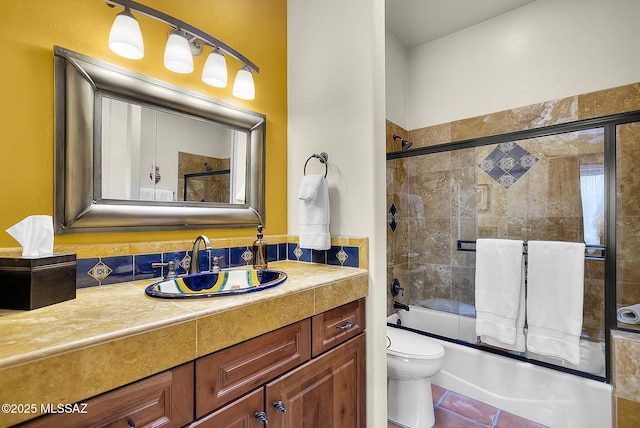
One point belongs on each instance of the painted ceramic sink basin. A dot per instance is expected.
(210, 284)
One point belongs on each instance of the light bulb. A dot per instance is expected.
(177, 53)
(214, 72)
(125, 37)
(243, 87)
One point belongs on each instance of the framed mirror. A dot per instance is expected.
(133, 153)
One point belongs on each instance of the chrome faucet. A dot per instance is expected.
(194, 266)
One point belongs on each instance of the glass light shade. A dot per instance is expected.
(177, 53)
(243, 87)
(125, 38)
(214, 72)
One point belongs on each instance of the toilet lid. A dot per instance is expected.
(403, 343)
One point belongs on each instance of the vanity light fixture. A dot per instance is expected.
(177, 53)
(243, 85)
(214, 72)
(125, 39)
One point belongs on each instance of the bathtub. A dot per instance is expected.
(544, 395)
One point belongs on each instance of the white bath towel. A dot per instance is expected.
(629, 314)
(314, 213)
(500, 294)
(555, 293)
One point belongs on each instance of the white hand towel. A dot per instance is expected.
(629, 314)
(309, 187)
(500, 300)
(555, 294)
(314, 215)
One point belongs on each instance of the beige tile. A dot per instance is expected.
(335, 294)
(627, 413)
(609, 101)
(626, 365)
(97, 314)
(431, 135)
(227, 328)
(81, 374)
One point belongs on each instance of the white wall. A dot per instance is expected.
(396, 83)
(546, 50)
(336, 105)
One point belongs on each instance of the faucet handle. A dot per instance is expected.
(216, 260)
(171, 268)
(396, 288)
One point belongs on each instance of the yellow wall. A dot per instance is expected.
(30, 28)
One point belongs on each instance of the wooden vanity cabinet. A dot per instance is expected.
(310, 374)
(328, 391)
(163, 400)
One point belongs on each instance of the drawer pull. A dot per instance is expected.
(347, 326)
(131, 423)
(261, 418)
(279, 406)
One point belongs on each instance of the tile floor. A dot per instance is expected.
(453, 410)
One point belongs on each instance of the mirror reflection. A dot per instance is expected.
(154, 155)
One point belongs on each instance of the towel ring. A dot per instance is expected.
(323, 158)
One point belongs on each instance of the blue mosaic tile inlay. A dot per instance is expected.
(393, 217)
(143, 269)
(507, 163)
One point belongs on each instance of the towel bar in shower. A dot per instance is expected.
(469, 246)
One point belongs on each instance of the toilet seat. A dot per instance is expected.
(405, 344)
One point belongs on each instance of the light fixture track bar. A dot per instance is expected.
(181, 25)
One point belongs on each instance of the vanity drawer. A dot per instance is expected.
(227, 374)
(165, 399)
(239, 413)
(337, 325)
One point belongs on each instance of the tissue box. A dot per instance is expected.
(31, 283)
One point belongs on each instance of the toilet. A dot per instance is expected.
(411, 361)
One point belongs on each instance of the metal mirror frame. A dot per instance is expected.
(80, 84)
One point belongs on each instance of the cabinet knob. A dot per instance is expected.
(347, 326)
(261, 418)
(279, 406)
(131, 423)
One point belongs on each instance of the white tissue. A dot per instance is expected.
(35, 234)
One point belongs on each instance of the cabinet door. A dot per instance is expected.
(165, 400)
(327, 392)
(226, 375)
(240, 413)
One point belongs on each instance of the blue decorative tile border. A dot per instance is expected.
(91, 272)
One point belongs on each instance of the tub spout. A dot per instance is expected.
(398, 305)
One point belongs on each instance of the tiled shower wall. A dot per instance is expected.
(437, 265)
(524, 190)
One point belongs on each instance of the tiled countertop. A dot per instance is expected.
(112, 335)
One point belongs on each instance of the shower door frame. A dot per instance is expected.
(608, 124)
